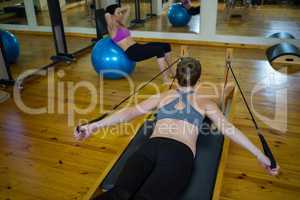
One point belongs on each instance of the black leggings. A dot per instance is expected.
(194, 10)
(256, 2)
(159, 170)
(140, 52)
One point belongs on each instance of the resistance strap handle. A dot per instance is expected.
(268, 151)
(266, 148)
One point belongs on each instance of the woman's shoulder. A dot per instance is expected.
(167, 96)
(204, 101)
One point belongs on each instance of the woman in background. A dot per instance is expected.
(116, 18)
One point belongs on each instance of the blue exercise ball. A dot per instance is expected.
(11, 46)
(110, 60)
(178, 15)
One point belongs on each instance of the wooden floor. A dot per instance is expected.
(261, 21)
(39, 158)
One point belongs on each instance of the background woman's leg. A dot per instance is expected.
(167, 58)
(163, 65)
(140, 52)
(194, 10)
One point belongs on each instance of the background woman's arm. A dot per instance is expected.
(126, 14)
(110, 24)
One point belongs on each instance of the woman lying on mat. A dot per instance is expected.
(161, 168)
(116, 18)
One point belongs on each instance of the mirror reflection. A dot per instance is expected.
(75, 13)
(144, 15)
(12, 12)
(258, 17)
(175, 16)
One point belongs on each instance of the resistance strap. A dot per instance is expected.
(131, 95)
(264, 143)
(228, 57)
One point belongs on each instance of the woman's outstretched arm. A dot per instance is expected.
(128, 114)
(121, 116)
(234, 134)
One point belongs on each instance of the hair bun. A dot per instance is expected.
(188, 71)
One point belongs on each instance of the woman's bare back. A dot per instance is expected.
(184, 131)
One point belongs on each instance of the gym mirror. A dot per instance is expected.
(145, 15)
(12, 12)
(260, 18)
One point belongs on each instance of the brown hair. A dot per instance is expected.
(188, 72)
(111, 9)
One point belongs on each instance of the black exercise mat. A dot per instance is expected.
(209, 150)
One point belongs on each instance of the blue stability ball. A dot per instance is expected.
(11, 46)
(178, 15)
(110, 60)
